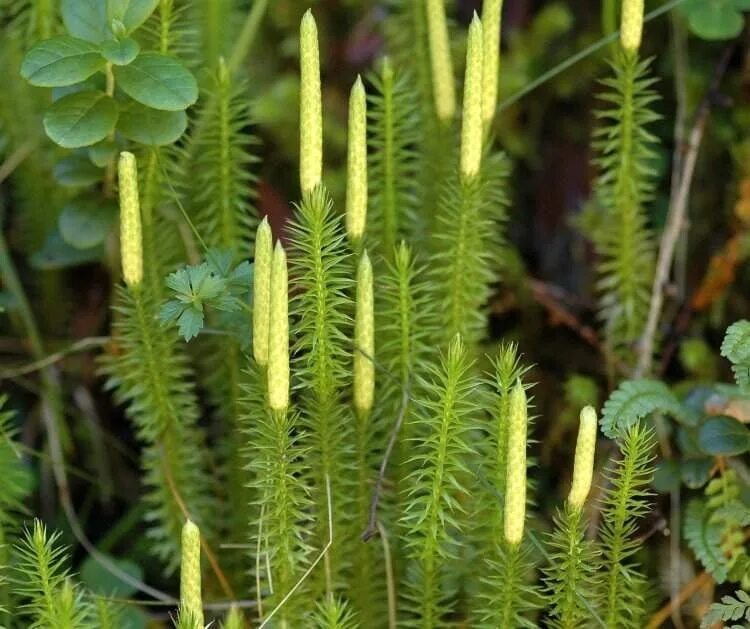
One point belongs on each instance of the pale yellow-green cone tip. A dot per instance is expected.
(278, 333)
(440, 60)
(233, 619)
(491, 16)
(631, 25)
(471, 126)
(310, 107)
(190, 573)
(131, 244)
(583, 468)
(262, 291)
(364, 338)
(356, 166)
(515, 487)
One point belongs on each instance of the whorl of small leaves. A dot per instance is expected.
(635, 399)
(335, 613)
(393, 130)
(151, 376)
(510, 598)
(570, 576)
(626, 154)
(223, 181)
(736, 349)
(624, 504)
(468, 249)
(434, 515)
(42, 580)
(735, 607)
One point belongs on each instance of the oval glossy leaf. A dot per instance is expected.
(696, 472)
(132, 13)
(86, 19)
(84, 223)
(76, 170)
(121, 53)
(101, 581)
(61, 61)
(81, 119)
(724, 436)
(58, 254)
(102, 153)
(151, 126)
(158, 81)
(714, 19)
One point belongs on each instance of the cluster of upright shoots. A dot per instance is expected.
(450, 504)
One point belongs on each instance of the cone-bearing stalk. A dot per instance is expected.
(262, 291)
(364, 338)
(278, 333)
(131, 245)
(356, 165)
(440, 60)
(583, 467)
(471, 126)
(191, 602)
(631, 25)
(311, 110)
(491, 13)
(515, 488)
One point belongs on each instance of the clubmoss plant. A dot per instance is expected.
(491, 20)
(441, 62)
(311, 113)
(278, 334)
(262, 291)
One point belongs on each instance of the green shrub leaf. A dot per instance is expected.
(158, 81)
(122, 52)
(86, 19)
(81, 119)
(85, 223)
(61, 61)
(76, 170)
(151, 126)
(132, 13)
(715, 19)
(724, 436)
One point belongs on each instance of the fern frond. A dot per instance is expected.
(151, 376)
(393, 131)
(635, 399)
(570, 576)
(735, 607)
(434, 515)
(467, 246)
(714, 528)
(626, 152)
(321, 283)
(42, 581)
(624, 503)
(736, 349)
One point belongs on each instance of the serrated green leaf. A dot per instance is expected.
(81, 119)
(724, 436)
(122, 52)
(736, 344)
(704, 539)
(61, 61)
(158, 81)
(86, 19)
(76, 170)
(132, 13)
(85, 223)
(151, 126)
